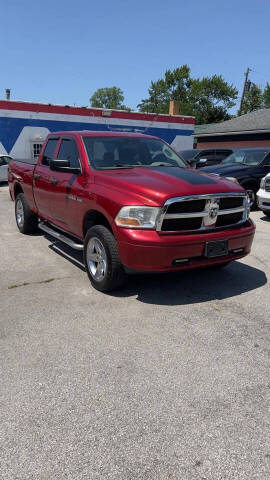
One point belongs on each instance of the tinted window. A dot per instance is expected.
(245, 157)
(128, 152)
(209, 154)
(188, 154)
(221, 154)
(3, 161)
(69, 151)
(49, 151)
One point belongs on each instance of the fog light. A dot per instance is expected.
(238, 250)
(180, 261)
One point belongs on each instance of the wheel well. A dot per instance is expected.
(17, 189)
(93, 217)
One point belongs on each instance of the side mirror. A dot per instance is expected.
(63, 166)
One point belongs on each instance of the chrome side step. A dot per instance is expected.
(59, 236)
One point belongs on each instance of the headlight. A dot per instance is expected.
(137, 217)
(262, 184)
(232, 179)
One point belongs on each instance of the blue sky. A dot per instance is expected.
(62, 51)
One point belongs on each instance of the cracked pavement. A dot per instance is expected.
(166, 379)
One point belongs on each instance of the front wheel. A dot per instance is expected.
(27, 221)
(102, 260)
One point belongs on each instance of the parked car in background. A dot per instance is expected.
(263, 195)
(202, 158)
(4, 161)
(248, 166)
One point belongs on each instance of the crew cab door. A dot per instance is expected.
(66, 196)
(41, 182)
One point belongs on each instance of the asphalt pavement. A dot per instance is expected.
(167, 379)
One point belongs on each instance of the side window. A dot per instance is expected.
(222, 154)
(267, 160)
(68, 151)
(2, 161)
(49, 151)
(208, 154)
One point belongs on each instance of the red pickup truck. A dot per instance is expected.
(131, 204)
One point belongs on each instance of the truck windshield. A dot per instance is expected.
(245, 157)
(127, 152)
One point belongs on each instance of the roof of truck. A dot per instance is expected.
(91, 133)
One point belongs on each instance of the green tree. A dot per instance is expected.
(111, 97)
(266, 96)
(253, 100)
(208, 99)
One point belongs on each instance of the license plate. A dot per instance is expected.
(216, 249)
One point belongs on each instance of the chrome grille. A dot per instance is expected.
(203, 212)
(267, 185)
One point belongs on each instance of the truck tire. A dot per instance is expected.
(27, 221)
(102, 260)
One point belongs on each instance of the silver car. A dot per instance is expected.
(4, 161)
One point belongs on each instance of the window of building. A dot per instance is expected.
(36, 149)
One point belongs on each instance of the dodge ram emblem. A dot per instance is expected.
(212, 209)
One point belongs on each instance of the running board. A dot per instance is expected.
(59, 236)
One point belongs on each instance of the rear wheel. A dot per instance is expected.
(27, 221)
(102, 261)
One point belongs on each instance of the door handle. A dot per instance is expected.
(36, 176)
(54, 181)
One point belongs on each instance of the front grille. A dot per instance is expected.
(267, 185)
(203, 213)
(186, 206)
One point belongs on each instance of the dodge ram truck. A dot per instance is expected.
(131, 204)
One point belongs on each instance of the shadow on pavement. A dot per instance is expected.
(265, 219)
(180, 288)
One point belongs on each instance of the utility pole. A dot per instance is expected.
(245, 88)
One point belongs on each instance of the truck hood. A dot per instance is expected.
(155, 185)
(230, 170)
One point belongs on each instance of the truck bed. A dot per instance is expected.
(22, 171)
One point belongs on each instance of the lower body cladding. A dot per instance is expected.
(149, 251)
(263, 200)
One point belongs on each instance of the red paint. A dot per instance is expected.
(92, 112)
(107, 191)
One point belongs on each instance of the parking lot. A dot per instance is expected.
(167, 378)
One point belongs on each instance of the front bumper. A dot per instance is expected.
(147, 250)
(263, 199)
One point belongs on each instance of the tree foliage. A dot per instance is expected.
(208, 98)
(255, 98)
(111, 97)
(266, 96)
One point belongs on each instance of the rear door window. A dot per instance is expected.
(48, 153)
